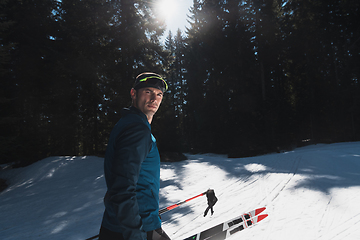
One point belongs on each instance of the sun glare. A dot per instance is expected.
(166, 8)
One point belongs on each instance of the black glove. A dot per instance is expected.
(212, 199)
(157, 234)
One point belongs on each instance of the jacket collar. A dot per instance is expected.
(134, 110)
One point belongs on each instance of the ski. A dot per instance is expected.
(228, 228)
(166, 209)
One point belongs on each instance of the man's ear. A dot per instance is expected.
(133, 93)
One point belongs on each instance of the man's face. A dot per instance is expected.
(147, 100)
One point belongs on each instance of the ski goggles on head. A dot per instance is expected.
(152, 81)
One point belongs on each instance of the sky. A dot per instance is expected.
(175, 14)
(309, 193)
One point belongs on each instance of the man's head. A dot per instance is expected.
(147, 93)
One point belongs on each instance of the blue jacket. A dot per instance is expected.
(132, 174)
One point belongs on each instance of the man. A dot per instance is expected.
(132, 168)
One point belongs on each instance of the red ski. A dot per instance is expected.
(228, 228)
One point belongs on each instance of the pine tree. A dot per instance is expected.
(7, 91)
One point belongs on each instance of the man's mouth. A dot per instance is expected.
(152, 106)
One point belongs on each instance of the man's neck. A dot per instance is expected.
(148, 117)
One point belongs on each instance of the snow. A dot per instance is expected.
(310, 193)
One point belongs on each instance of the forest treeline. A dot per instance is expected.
(246, 78)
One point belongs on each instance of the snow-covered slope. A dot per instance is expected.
(310, 193)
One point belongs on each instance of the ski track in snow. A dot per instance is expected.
(310, 193)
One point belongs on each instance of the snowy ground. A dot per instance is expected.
(310, 193)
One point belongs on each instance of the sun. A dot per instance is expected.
(165, 9)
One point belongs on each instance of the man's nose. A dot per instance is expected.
(153, 97)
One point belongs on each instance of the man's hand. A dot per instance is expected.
(212, 199)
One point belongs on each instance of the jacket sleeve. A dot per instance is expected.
(131, 148)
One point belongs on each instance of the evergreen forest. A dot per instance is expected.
(246, 78)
